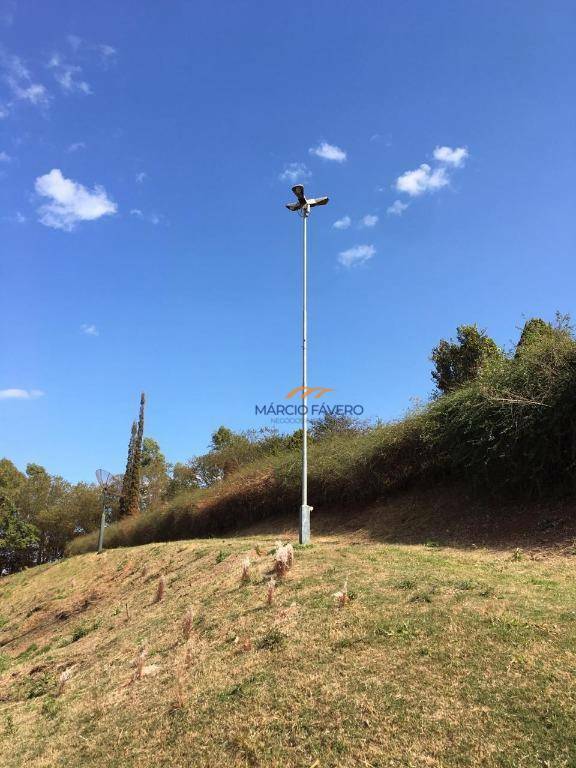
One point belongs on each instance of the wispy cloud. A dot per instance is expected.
(456, 157)
(74, 42)
(89, 329)
(20, 394)
(294, 172)
(151, 218)
(342, 223)
(5, 157)
(397, 208)
(357, 255)
(20, 82)
(423, 179)
(70, 202)
(368, 221)
(68, 76)
(76, 146)
(7, 12)
(105, 50)
(328, 152)
(17, 218)
(141, 177)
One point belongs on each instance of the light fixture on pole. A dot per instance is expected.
(105, 480)
(303, 207)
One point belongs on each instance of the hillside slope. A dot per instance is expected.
(442, 657)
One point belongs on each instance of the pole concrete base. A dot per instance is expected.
(304, 532)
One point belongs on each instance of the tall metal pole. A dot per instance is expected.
(304, 531)
(102, 524)
(303, 207)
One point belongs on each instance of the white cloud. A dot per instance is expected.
(370, 220)
(455, 157)
(423, 179)
(89, 329)
(5, 157)
(397, 208)
(328, 152)
(357, 255)
(4, 111)
(70, 202)
(151, 218)
(294, 172)
(141, 177)
(8, 12)
(74, 41)
(68, 76)
(19, 80)
(106, 51)
(342, 223)
(76, 146)
(20, 394)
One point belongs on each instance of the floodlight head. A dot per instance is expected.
(304, 203)
(317, 201)
(104, 477)
(298, 190)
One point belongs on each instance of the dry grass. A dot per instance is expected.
(441, 658)
(160, 589)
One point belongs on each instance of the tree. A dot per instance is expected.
(11, 479)
(130, 497)
(222, 438)
(134, 487)
(154, 470)
(534, 330)
(460, 362)
(184, 478)
(124, 495)
(333, 424)
(18, 539)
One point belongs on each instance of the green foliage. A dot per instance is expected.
(18, 538)
(458, 363)
(83, 630)
(331, 425)
(273, 639)
(40, 513)
(133, 502)
(154, 475)
(184, 479)
(126, 480)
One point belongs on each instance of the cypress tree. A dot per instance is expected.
(126, 481)
(133, 501)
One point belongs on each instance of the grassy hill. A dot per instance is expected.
(442, 657)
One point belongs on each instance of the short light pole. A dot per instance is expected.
(104, 480)
(303, 208)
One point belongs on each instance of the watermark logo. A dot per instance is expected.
(307, 391)
(291, 413)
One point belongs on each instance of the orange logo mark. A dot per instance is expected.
(308, 391)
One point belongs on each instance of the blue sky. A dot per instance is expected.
(147, 150)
